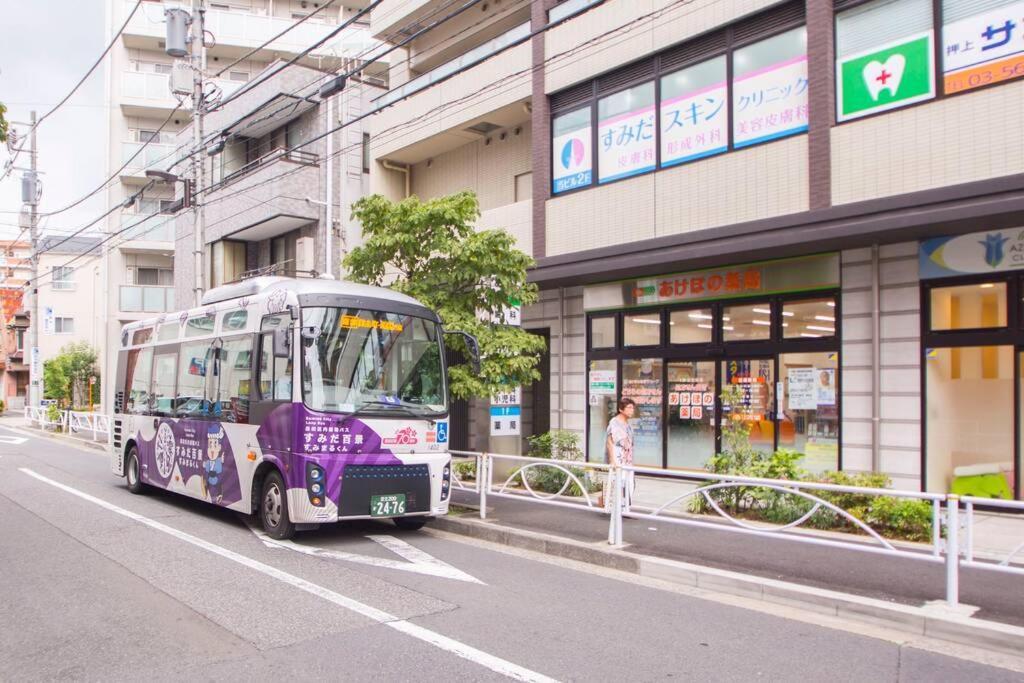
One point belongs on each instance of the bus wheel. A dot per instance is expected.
(274, 508)
(131, 471)
(410, 523)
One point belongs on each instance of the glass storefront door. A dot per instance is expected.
(692, 390)
(642, 382)
(602, 380)
(970, 420)
(809, 415)
(755, 378)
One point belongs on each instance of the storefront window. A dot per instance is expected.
(641, 381)
(810, 318)
(776, 65)
(691, 413)
(747, 322)
(968, 307)
(978, 43)
(691, 327)
(970, 420)
(755, 379)
(602, 332)
(809, 420)
(884, 57)
(642, 329)
(571, 151)
(694, 118)
(625, 133)
(601, 378)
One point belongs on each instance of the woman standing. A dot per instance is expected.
(619, 444)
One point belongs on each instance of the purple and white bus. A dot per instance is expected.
(304, 401)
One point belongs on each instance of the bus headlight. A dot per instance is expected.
(446, 481)
(315, 484)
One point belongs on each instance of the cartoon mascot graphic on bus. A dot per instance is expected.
(213, 466)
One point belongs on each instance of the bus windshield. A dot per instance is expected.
(371, 362)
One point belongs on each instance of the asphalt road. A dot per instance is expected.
(99, 584)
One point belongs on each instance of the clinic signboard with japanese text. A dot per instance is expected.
(625, 145)
(573, 160)
(885, 77)
(985, 48)
(991, 251)
(695, 125)
(771, 102)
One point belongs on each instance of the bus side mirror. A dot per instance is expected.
(474, 349)
(282, 343)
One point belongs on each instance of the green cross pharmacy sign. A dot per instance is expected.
(886, 77)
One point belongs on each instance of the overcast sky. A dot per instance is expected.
(47, 46)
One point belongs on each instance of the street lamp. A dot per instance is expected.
(162, 176)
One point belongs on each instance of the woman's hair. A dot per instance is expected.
(624, 402)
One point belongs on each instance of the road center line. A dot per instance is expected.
(467, 652)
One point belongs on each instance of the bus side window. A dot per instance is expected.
(164, 370)
(275, 373)
(140, 363)
(229, 380)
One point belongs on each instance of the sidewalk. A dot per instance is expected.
(999, 597)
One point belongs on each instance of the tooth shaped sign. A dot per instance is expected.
(887, 76)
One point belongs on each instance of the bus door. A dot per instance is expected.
(274, 373)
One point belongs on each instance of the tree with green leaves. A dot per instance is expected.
(3, 123)
(66, 375)
(431, 251)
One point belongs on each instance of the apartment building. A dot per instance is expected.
(15, 271)
(70, 293)
(139, 259)
(818, 205)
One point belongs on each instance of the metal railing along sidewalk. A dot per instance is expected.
(71, 422)
(949, 513)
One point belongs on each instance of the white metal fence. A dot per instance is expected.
(83, 425)
(598, 488)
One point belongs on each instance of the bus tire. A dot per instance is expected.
(274, 508)
(410, 523)
(132, 470)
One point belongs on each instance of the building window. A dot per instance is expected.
(20, 335)
(641, 329)
(691, 327)
(809, 318)
(64, 325)
(227, 262)
(981, 43)
(747, 322)
(366, 152)
(769, 88)
(884, 57)
(61, 277)
(626, 133)
(571, 150)
(602, 332)
(694, 115)
(968, 307)
(154, 277)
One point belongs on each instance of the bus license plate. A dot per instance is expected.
(387, 506)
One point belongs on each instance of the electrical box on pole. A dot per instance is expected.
(181, 78)
(178, 21)
(30, 189)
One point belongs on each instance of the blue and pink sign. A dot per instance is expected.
(770, 103)
(695, 125)
(572, 162)
(625, 145)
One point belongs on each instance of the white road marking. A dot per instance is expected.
(419, 562)
(12, 440)
(467, 652)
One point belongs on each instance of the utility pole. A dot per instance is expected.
(35, 367)
(198, 167)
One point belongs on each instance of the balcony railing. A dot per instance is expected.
(63, 285)
(569, 8)
(153, 156)
(297, 156)
(146, 299)
(239, 28)
(158, 228)
(146, 85)
(475, 56)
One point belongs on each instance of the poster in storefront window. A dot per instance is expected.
(803, 390)
(771, 102)
(983, 49)
(625, 144)
(826, 389)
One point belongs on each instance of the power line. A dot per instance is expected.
(82, 80)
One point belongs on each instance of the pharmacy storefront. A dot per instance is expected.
(973, 340)
(673, 343)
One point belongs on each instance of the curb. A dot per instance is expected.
(933, 622)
